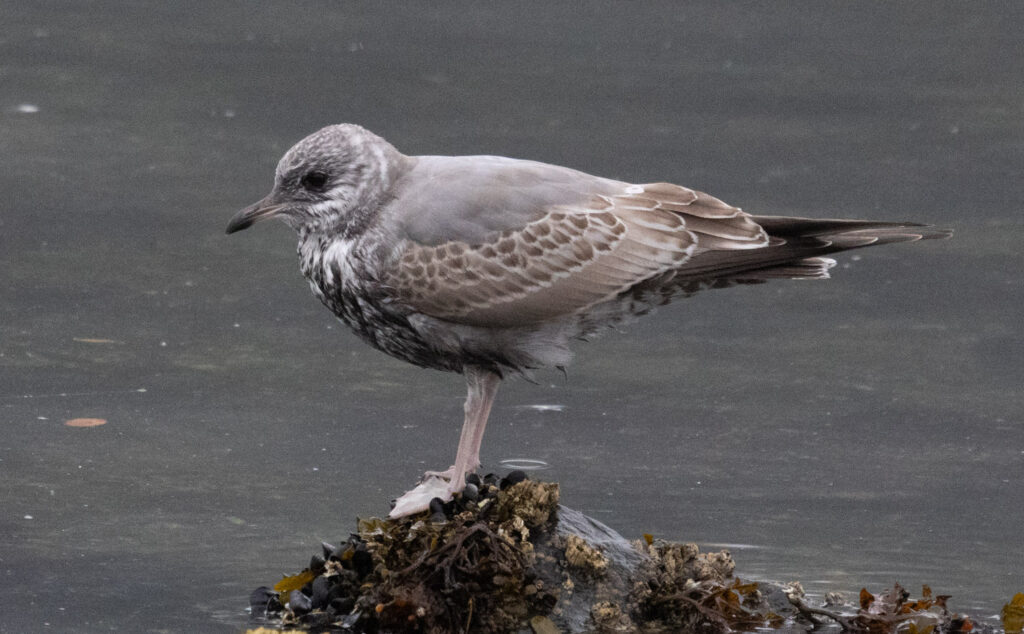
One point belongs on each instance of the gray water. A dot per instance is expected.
(853, 432)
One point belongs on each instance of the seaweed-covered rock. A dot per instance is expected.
(491, 561)
(506, 557)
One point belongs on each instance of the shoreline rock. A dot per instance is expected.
(507, 557)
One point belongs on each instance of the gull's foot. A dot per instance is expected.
(418, 499)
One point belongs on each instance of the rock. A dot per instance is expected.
(521, 561)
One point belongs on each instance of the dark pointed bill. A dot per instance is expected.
(252, 214)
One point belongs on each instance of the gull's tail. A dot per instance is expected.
(797, 248)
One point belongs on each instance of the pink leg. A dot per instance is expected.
(483, 385)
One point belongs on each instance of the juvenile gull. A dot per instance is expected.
(489, 266)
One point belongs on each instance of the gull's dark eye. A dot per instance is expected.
(314, 181)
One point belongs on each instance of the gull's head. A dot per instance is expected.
(328, 181)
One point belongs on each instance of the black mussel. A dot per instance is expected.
(320, 589)
(261, 601)
(513, 477)
(436, 506)
(316, 564)
(351, 621)
(471, 493)
(474, 479)
(362, 562)
(345, 581)
(299, 603)
(338, 590)
(438, 511)
(343, 605)
(328, 549)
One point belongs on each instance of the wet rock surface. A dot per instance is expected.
(506, 557)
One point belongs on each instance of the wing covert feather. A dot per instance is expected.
(572, 257)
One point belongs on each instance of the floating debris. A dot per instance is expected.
(504, 556)
(86, 422)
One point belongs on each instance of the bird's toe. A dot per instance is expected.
(447, 474)
(418, 499)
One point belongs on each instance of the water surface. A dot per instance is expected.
(853, 432)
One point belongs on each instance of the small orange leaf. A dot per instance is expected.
(86, 422)
(1013, 614)
(648, 538)
(294, 582)
(866, 599)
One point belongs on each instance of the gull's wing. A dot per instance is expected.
(561, 258)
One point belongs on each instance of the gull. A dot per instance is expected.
(490, 266)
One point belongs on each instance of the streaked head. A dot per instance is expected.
(327, 180)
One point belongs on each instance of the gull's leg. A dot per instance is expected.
(483, 385)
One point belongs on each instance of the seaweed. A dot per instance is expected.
(889, 612)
